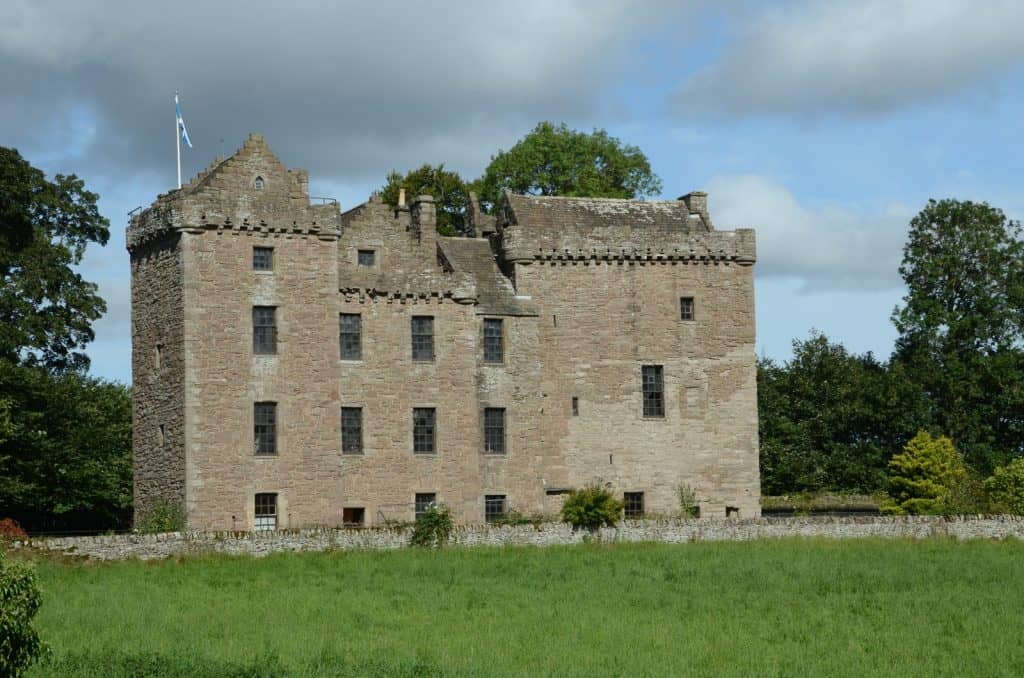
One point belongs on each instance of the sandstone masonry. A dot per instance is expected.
(542, 333)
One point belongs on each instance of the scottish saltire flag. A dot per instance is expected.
(182, 132)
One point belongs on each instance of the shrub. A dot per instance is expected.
(591, 507)
(10, 529)
(20, 646)
(688, 507)
(926, 477)
(162, 516)
(1005, 487)
(433, 527)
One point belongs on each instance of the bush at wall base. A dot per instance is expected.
(591, 507)
(20, 646)
(432, 528)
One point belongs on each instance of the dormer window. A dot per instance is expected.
(258, 184)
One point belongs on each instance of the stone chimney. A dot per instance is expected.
(401, 198)
(424, 221)
(697, 204)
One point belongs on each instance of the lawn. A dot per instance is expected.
(767, 608)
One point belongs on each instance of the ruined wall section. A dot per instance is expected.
(158, 374)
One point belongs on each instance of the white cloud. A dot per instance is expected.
(828, 248)
(854, 57)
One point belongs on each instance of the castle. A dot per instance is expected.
(295, 365)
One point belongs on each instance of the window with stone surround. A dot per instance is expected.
(265, 429)
(653, 391)
(353, 516)
(258, 183)
(366, 258)
(350, 333)
(686, 308)
(424, 430)
(494, 507)
(264, 330)
(494, 430)
(493, 340)
(424, 500)
(575, 406)
(263, 258)
(634, 504)
(423, 338)
(352, 430)
(266, 512)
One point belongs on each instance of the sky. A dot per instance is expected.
(826, 126)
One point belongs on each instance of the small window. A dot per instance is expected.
(266, 512)
(424, 500)
(264, 330)
(493, 349)
(494, 430)
(686, 309)
(353, 516)
(423, 338)
(366, 257)
(258, 183)
(350, 336)
(575, 406)
(424, 430)
(653, 390)
(352, 430)
(158, 358)
(732, 512)
(634, 504)
(265, 429)
(162, 435)
(263, 258)
(494, 507)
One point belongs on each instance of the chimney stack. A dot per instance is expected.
(401, 198)
(424, 219)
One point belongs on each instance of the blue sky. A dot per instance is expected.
(825, 126)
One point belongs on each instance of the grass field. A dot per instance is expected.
(766, 608)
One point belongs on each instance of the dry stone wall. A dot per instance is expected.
(145, 547)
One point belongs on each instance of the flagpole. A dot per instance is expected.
(177, 137)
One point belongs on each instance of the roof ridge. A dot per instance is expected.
(585, 197)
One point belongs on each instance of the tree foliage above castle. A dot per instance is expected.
(961, 325)
(46, 307)
(555, 160)
(446, 187)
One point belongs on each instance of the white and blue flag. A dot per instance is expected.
(182, 132)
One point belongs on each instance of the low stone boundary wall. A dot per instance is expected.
(120, 547)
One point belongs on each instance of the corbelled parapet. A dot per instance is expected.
(554, 228)
(248, 191)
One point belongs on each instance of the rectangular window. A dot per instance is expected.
(494, 507)
(422, 337)
(686, 309)
(264, 330)
(350, 332)
(634, 504)
(493, 348)
(424, 430)
(366, 257)
(352, 430)
(575, 406)
(654, 391)
(494, 430)
(353, 516)
(263, 258)
(424, 500)
(265, 428)
(266, 512)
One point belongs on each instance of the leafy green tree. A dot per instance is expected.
(556, 160)
(432, 527)
(828, 418)
(46, 308)
(20, 645)
(446, 187)
(961, 326)
(591, 507)
(924, 476)
(66, 464)
(1005, 488)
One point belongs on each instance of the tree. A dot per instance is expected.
(961, 326)
(591, 507)
(555, 160)
(924, 475)
(1005, 488)
(829, 419)
(46, 308)
(20, 645)
(446, 187)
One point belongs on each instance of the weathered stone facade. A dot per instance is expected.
(587, 292)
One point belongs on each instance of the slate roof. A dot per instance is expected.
(609, 216)
(495, 294)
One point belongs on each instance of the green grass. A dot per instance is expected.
(767, 608)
